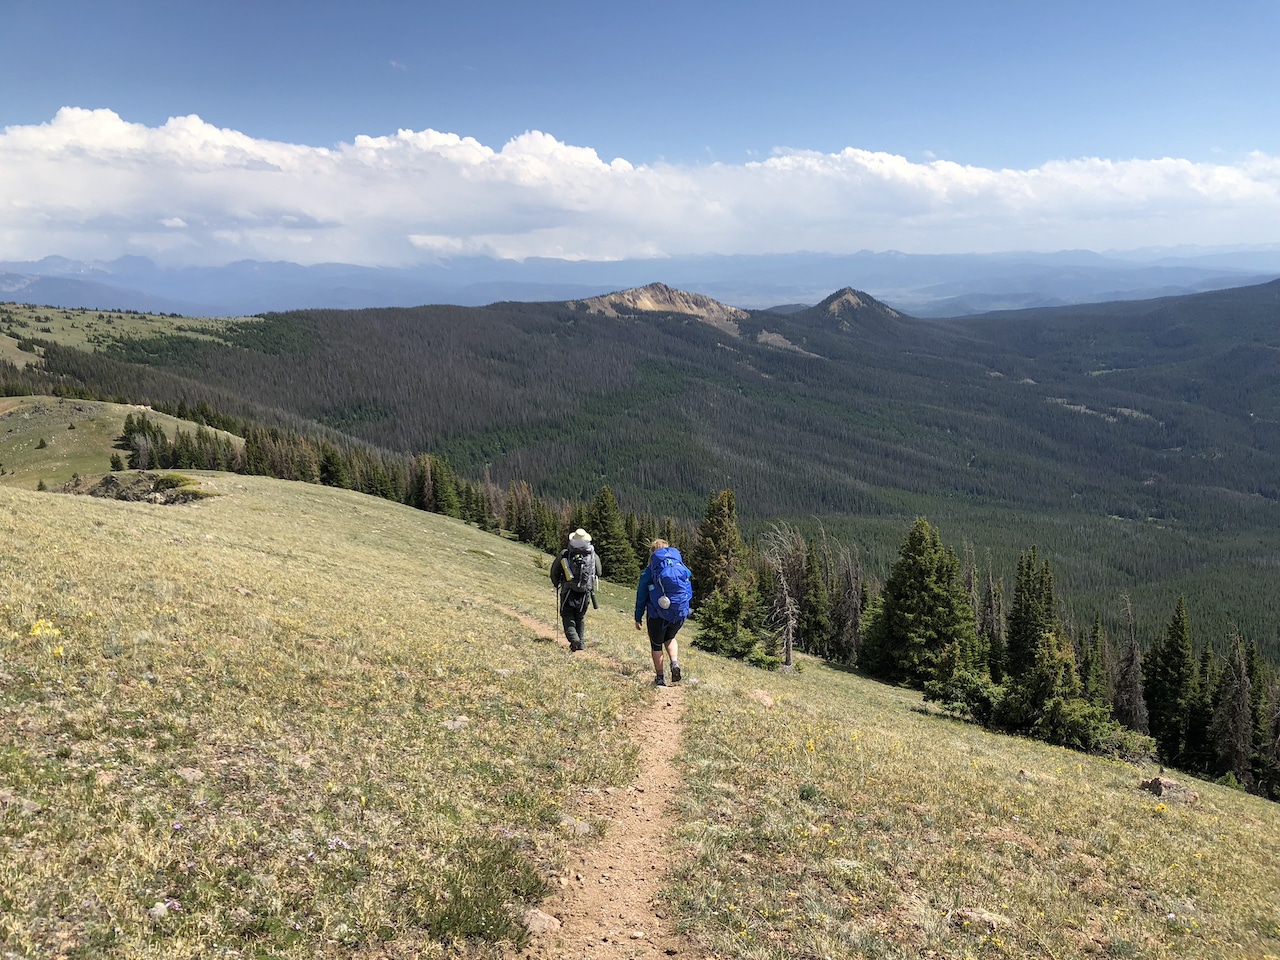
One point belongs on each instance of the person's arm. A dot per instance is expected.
(557, 571)
(642, 595)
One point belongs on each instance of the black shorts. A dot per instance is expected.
(661, 632)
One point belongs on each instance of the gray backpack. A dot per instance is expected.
(579, 565)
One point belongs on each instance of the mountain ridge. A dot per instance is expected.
(659, 298)
(924, 285)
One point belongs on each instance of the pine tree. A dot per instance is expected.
(717, 549)
(445, 489)
(814, 627)
(604, 521)
(1130, 706)
(1169, 670)
(1258, 687)
(1233, 724)
(1033, 614)
(1268, 765)
(1093, 677)
(923, 612)
(335, 471)
(1198, 753)
(646, 533)
(1036, 703)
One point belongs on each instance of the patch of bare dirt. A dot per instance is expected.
(607, 905)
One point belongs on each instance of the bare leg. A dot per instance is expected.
(657, 662)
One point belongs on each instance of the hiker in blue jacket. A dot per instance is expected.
(662, 597)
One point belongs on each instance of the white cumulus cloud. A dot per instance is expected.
(90, 184)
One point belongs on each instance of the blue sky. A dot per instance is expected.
(739, 127)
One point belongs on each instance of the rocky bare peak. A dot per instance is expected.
(851, 300)
(659, 298)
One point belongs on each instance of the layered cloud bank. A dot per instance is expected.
(90, 185)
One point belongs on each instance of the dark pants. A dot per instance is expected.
(573, 615)
(661, 632)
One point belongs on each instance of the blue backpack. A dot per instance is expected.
(668, 579)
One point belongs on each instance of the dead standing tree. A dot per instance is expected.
(784, 552)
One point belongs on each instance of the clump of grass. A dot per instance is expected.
(172, 481)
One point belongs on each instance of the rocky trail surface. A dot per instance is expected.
(606, 903)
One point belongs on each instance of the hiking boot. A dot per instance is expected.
(675, 673)
(659, 681)
(575, 646)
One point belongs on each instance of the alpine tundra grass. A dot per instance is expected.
(293, 721)
(283, 721)
(830, 816)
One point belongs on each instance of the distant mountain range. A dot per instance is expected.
(919, 285)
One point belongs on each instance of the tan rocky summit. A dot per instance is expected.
(659, 298)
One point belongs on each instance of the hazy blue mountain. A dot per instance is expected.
(922, 285)
(91, 294)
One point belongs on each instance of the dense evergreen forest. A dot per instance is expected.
(1137, 443)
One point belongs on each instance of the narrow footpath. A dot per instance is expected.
(606, 903)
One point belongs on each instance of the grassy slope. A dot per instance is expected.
(84, 329)
(79, 436)
(248, 710)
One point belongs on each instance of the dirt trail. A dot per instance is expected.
(607, 904)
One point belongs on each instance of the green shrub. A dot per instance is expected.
(722, 622)
(1229, 781)
(967, 695)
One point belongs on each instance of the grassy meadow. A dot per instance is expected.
(292, 721)
(829, 816)
(285, 721)
(53, 439)
(87, 329)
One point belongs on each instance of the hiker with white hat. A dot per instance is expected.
(574, 574)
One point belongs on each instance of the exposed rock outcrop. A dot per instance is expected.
(659, 298)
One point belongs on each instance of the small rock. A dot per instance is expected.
(575, 826)
(158, 911)
(976, 915)
(1170, 790)
(535, 921)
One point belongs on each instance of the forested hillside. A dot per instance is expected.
(1137, 443)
